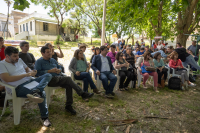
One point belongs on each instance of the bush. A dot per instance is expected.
(59, 40)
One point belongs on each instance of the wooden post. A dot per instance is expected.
(103, 24)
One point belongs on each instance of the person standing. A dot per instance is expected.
(2, 48)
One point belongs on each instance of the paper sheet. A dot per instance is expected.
(31, 85)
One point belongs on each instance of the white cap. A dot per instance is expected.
(119, 39)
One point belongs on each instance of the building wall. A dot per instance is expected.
(52, 29)
(27, 22)
(16, 16)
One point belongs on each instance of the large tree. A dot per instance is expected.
(93, 9)
(188, 18)
(57, 9)
(77, 22)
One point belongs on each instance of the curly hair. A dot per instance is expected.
(145, 55)
(173, 54)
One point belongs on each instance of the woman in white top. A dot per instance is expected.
(159, 46)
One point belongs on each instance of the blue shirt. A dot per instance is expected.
(194, 49)
(104, 65)
(42, 66)
(140, 53)
(161, 52)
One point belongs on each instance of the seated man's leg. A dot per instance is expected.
(21, 91)
(113, 80)
(104, 79)
(43, 81)
(190, 60)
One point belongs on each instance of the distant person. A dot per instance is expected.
(178, 45)
(166, 45)
(194, 49)
(137, 44)
(27, 57)
(76, 38)
(147, 49)
(2, 48)
(140, 53)
(96, 52)
(112, 53)
(155, 46)
(92, 49)
(160, 45)
(122, 44)
(136, 50)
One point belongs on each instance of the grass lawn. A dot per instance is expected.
(182, 108)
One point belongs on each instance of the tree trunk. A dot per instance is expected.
(99, 32)
(181, 38)
(133, 39)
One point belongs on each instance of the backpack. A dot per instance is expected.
(174, 83)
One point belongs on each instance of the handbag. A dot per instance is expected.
(147, 69)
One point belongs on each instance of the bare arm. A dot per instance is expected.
(60, 55)
(118, 66)
(7, 78)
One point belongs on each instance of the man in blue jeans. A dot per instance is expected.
(14, 71)
(102, 66)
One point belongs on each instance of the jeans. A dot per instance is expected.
(190, 60)
(85, 76)
(123, 75)
(43, 80)
(67, 83)
(104, 77)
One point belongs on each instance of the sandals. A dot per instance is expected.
(121, 89)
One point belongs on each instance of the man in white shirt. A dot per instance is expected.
(14, 71)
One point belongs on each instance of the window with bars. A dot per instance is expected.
(45, 26)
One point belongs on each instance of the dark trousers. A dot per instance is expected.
(67, 83)
(160, 74)
(123, 75)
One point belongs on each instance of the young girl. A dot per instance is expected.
(177, 64)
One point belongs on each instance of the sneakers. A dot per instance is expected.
(70, 109)
(182, 88)
(192, 85)
(35, 97)
(109, 96)
(96, 91)
(45, 122)
(87, 95)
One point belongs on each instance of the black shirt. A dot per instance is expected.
(28, 59)
(130, 59)
(182, 54)
(55, 56)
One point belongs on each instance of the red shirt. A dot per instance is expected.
(175, 64)
(154, 46)
(2, 54)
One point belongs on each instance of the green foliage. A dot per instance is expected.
(21, 4)
(59, 40)
(95, 33)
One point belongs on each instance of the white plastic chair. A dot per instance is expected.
(78, 81)
(139, 77)
(49, 91)
(17, 103)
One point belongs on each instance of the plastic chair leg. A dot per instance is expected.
(48, 92)
(17, 105)
(53, 93)
(23, 102)
(139, 81)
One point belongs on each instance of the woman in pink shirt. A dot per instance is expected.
(179, 69)
(112, 53)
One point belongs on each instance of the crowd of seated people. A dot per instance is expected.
(17, 68)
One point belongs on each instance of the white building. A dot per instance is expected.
(40, 27)
(3, 20)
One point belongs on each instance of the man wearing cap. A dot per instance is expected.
(142, 44)
(112, 53)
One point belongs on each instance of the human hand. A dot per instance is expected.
(33, 73)
(98, 72)
(58, 71)
(140, 70)
(58, 47)
(114, 72)
(78, 73)
(53, 70)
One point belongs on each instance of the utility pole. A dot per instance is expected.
(103, 24)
